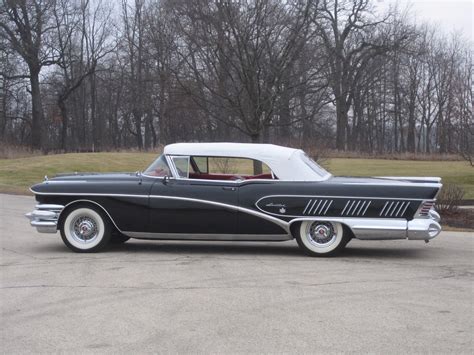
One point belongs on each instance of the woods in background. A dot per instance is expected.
(89, 75)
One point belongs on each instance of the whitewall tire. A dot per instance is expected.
(85, 229)
(321, 238)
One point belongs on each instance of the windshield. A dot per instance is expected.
(313, 165)
(158, 168)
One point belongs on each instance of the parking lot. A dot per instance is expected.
(379, 297)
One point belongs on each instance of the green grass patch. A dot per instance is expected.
(17, 175)
(455, 172)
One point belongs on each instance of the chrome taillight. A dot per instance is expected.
(425, 208)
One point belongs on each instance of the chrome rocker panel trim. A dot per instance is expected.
(204, 237)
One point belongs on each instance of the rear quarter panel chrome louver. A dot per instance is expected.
(356, 208)
(394, 209)
(317, 207)
(338, 206)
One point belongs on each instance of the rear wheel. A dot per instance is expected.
(321, 238)
(86, 229)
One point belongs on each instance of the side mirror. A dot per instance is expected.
(166, 179)
(138, 174)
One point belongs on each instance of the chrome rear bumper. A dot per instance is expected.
(423, 229)
(45, 218)
(381, 229)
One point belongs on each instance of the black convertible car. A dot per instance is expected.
(236, 192)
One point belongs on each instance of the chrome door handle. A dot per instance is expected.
(229, 188)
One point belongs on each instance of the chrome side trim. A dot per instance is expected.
(420, 184)
(49, 182)
(370, 229)
(348, 197)
(265, 216)
(49, 207)
(224, 237)
(277, 221)
(85, 194)
(415, 178)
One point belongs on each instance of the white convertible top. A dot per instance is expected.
(286, 163)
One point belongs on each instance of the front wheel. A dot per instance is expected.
(85, 230)
(321, 238)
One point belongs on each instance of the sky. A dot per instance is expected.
(450, 15)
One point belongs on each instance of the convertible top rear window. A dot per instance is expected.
(313, 165)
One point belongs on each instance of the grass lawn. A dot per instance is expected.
(17, 175)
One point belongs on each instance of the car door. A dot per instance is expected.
(185, 206)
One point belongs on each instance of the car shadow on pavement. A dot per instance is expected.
(386, 253)
(283, 249)
(289, 249)
(230, 248)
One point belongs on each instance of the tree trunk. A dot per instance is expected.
(64, 121)
(37, 109)
(285, 113)
(96, 129)
(411, 134)
(138, 129)
(411, 121)
(341, 124)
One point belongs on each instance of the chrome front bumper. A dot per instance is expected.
(45, 218)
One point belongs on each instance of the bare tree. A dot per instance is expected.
(327, 73)
(240, 55)
(346, 28)
(25, 24)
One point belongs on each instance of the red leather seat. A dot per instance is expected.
(228, 176)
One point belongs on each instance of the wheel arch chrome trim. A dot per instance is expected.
(92, 202)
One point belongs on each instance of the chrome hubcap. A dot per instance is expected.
(321, 234)
(84, 229)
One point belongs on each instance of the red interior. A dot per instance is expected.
(228, 176)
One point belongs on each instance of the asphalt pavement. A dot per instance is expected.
(227, 297)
